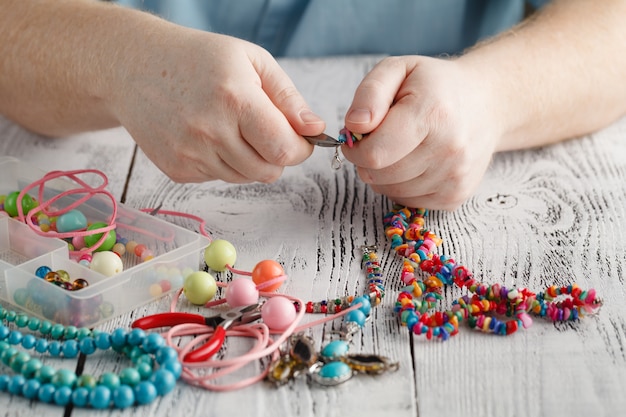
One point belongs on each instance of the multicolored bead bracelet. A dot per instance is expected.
(416, 302)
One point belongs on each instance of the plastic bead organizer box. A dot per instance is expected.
(22, 251)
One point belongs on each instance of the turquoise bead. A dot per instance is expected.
(41, 346)
(70, 332)
(145, 370)
(174, 366)
(83, 333)
(62, 396)
(335, 350)
(103, 341)
(33, 323)
(28, 341)
(18, 361)
(70, 349)
(87, 345)
(15, 337)
(356, 316)
(164, 381)
(152, 342)
(30, 389)
(118, 338)
(45, 327)
(165, 353)
(71, 221)
(4, 332)
(366, 305)
(46, 393)
(135, 337)
(335, 370)
(54, 348)
(145, 392)
(100, 397)
(15, 384)
(4, 382)
(80, 397)
(123, 397)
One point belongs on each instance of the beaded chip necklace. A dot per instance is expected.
(410, 239)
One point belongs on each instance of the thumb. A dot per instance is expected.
(283, 93)
(375, 95)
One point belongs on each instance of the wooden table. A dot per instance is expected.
(550, 215)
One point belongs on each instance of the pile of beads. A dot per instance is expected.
(416, 302)
(155, 369)
(61, 278)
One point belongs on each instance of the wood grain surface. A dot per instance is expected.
(549, 215)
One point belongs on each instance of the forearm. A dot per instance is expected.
(60, 60)
(560, 75)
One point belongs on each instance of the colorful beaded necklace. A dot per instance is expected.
(416, 244)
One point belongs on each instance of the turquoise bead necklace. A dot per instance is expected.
(155, 370)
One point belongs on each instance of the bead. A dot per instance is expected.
(199, 287)
(80, 397)
(278, 313)
(220, 254)
(15, 384)
(62, 396)
(335, 350)
(30, 389)
(71, 221)
(110, 380)
(91, 240)
(145, 392)
(130, 377)
(119, 248)
(100, 397)
(123, 397)
(107, 263)
(241, 292)
(79, 284)
(356, 316)
(334, 373)
(10, 203)
(46, 393)
(42, 271)
(164, 381)
(267, 270)
(63, 377)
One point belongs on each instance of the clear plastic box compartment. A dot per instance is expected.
(176, 251)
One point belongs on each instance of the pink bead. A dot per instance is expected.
(78, 242)
(527, 321)
(242, 292)
(407, 277)
(86, 257)
(147, 253)
(278, 313)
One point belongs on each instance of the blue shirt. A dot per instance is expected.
(300, 28)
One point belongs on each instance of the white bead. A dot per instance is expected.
(107, 263)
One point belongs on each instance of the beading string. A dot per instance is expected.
(416, 304)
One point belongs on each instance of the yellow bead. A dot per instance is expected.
(155, 290)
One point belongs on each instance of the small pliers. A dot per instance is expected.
(220, 323)
(323, 141)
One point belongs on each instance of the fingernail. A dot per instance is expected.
(359, 116)
(308, 117)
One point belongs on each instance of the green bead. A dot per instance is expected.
(110, 380)
(57, 331)
(130, 377)
(33, 323)
(219, 254)
(145, 370)
(82, 333)
(18, 360)
(86, 381)
(64, 378)
(3, 312)
(45, 374)
(145, 358)
(45, 327)
(11, 315)
(7, 355)
(30, 368)
(22, 320)
(3, 346)
(70, 332)
(21, 296)
(10, 203)
(199, 287)
(108, 243)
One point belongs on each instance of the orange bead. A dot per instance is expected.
(265, 271)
